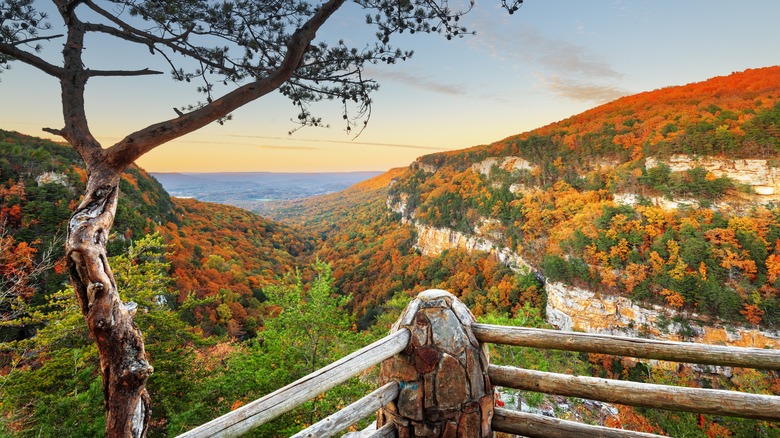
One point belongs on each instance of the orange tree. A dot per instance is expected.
(253, 48)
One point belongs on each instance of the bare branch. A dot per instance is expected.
(53, 131)
(42, 38)
(143, 72)
(28, 58)
(132, 34)
(127, 28)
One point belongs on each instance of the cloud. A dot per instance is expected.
(526, 46)
(530, 45)
(416, 80)
(402, 146)
(583, 91)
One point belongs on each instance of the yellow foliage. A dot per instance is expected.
(620, 250)
(635, 274)
(657, 262)
(679, 269)
(674, 251)
(673, 298)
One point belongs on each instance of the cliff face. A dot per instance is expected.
(759, 174)
(508, 163)
(432, 241)
(571, 308)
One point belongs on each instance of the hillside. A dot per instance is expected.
(374, 256)
(228, 255)
(198, 271)
(213, 248)
(40, 182)
(667, 197)
(652, 216)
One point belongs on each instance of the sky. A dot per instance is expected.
(548, 61)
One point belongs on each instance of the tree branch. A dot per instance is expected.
(140, 142)
(30, 59)
(30, 40)
(53, 131)
(143, 72)
(127, 28)
(134, 35)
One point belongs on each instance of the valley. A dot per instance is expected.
(253, 190)
(654, 215)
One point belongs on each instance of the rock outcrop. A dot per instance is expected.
(401, 206)
(507, 163)
(432, 241)
(429, 168)
(54, 178)
(757, 173)
(571, 308)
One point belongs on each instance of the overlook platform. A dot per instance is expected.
(437, 381)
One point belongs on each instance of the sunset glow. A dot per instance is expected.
(548, 61)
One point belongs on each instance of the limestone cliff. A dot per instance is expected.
(761, 175)
(507, 163)
(757, 173)
(571, 308)
(432, 241)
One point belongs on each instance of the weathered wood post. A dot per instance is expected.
(445, 391)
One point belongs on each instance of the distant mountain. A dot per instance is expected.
(250, 190)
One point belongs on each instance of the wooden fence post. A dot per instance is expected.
(444, 388)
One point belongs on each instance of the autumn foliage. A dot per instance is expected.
(555, 202)
(559, 206)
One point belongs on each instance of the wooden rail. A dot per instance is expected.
(350, 415)
(633, 347)
(539, 426)
(676, 398)
(293, 395)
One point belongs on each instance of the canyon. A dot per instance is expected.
(571, 308)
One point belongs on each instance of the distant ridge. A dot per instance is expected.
(249, 190)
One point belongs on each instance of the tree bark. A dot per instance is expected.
(122, 356)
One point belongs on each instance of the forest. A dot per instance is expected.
(717, 257)
(232, 304)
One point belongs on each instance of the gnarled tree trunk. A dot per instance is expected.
(120, 345)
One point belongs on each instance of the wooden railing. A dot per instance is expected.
(265, 409)
(705, 401)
